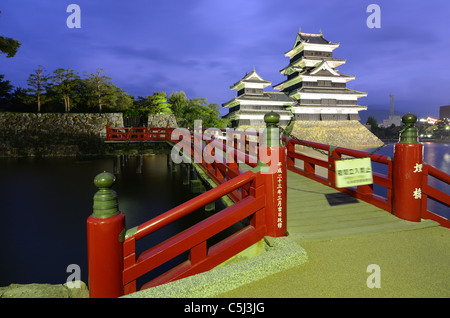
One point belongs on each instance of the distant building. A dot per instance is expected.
(392, 120)
(444, 112)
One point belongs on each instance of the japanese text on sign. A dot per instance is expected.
(353, 172)
(280, 196)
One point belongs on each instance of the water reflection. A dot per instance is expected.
(45, 203)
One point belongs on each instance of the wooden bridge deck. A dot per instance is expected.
(318, 212)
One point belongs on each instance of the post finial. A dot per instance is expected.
(408, 133)
(105, 200)
(271, 119)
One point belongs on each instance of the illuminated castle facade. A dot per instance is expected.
(313, 90)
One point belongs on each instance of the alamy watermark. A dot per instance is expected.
(374, 19)
(74, 279)
(374, 279)
(74, 19)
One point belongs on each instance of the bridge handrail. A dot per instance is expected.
(238, 155)
(438, 174)
(134, 267)
(365, 192)
(255, 202)
(192, 205)
(137, 133)
(430, 191)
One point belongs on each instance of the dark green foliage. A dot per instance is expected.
(9, 46)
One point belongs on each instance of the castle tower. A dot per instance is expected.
(252, 102)
(314, 99)
(320, 91)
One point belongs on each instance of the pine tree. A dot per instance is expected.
(65, 80)
(38, 81)
(101, 86)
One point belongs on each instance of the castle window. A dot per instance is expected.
(324, 83)
(328, 101)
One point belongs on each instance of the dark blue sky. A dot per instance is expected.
(204, 46)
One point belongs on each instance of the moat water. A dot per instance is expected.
(44, 204)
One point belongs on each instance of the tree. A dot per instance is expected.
(37, 81)
(442, 129)
(5, 92)
(187, 110)
(199, 109)
(159, 104)
(154, 104)
(104, 97)
(65, 80)
(179, 103)
(9, 46)
(372, 122)
(101, 86)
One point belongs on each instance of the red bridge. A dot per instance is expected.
(259, 195)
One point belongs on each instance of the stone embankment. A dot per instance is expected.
(346, 133)
(72, 134)
(45, 290)
(162, 121)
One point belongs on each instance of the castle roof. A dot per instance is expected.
(311, 40)
(266, 97)
(315, 38)
(251, 78)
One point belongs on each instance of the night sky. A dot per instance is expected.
(204, 46)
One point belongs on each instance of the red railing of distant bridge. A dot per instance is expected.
(137, 133)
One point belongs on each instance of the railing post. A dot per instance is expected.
(271, 152)
(105, 234)
(407, 172)
(108, 133)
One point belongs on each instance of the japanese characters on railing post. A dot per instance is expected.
(273, 158)
(105, 235)
(407, 172)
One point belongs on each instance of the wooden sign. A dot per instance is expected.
(353, 172)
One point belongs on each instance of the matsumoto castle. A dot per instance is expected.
(314, 95)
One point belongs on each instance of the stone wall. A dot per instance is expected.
(162, 121)
(343, 133)
(72, 134)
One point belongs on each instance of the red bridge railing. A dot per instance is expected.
(255, 201)
(195, 239)
(366, 192)
(431, 192)
(256, 198)
(137, 133)
(363, 192)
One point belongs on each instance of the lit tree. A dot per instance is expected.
(100, 83)
(65, 80)
(37, 82)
